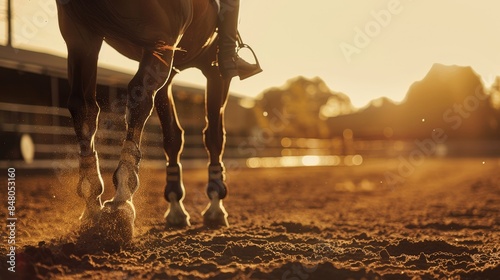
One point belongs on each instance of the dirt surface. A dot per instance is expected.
(440, 220)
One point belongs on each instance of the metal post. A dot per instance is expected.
(9, 23)
(54, 92)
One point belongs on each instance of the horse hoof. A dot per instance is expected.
(117, 221)
(215, 214)
(176, 216)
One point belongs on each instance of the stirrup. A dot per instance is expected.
(257, 69)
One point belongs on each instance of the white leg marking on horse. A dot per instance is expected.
(176, 215)
(123, 192)
(215, 215)
(86, 189)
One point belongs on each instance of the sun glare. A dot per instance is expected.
(308, 160)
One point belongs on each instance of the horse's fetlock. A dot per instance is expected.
(175, 187)
(218, 186)
(126, 181)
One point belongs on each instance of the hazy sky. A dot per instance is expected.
(366, 49)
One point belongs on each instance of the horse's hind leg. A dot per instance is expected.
(173, 139)
(214, 137)
(119, 213)
(83, 50)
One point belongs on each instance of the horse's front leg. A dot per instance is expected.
(83, 53)
(119, 213)
(173, 140)
(214, 137)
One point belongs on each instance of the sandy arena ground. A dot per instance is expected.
(442, 221)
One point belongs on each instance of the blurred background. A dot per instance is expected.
(342, 83)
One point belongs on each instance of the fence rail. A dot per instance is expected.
(39, 137)
(55, 146)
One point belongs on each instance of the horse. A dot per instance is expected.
(164, 37)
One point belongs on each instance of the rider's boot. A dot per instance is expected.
(230, 64)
